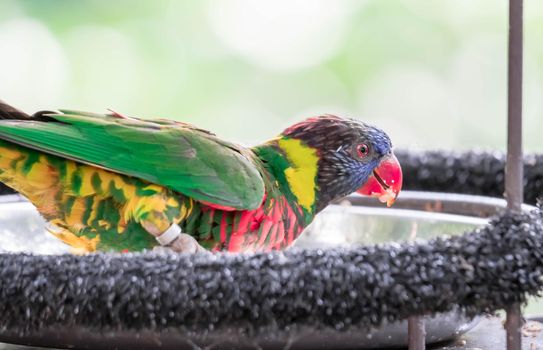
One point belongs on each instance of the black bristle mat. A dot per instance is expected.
(476, 173)
(480, 271)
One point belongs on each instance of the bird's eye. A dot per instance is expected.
(362, 150)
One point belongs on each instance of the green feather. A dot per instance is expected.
(175, 155)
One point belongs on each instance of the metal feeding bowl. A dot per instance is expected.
(355, 220)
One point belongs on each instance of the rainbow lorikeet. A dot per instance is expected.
(114, 183)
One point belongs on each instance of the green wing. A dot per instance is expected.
(172, 154)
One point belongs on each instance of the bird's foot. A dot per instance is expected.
(183, 244)
(173, 240)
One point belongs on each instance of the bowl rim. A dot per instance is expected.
(440, 202)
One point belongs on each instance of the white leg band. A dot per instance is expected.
(169, 235)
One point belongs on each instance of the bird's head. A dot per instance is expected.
(343, 156)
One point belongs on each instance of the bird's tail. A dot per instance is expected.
(10, 112)
(6, 151)
(16, 161)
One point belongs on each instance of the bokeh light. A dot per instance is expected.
(282, 34)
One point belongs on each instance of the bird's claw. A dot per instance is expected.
(183, 244)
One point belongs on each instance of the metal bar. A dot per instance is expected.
(416, 332)
(513, 325)
(514, 168)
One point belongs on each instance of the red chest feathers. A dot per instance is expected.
(274, 225)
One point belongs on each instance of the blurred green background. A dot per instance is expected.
(431, 73)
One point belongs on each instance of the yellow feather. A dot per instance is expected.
(74, 218)
(94, 209)
(40, 175)
(80, 243)
(302, 173)
(86, 181)
(104, 224)
(8, 155)
(71, 167)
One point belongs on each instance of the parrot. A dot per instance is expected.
(116, 183)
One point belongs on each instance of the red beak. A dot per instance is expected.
(385, 182)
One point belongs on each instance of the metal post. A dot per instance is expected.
(416, 330)
(514, 167)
